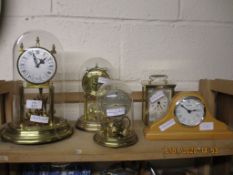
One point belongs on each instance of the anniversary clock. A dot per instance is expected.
(157, 94)
(37, 55)
(96, 72)
(115, 102)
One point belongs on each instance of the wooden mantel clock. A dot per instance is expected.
(187, 118)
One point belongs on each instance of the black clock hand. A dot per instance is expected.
(194, 110)
(41, 62)
(189, 111)
(159, 105)
(35, 59)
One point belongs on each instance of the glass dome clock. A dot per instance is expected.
(95, 73)
(115, 102)
(37, 61)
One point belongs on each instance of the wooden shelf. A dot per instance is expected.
(80, 147)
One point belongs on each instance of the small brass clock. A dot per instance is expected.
(157, 94)
(93, 79)
(97, 72)
(115, 102)
(35, 120)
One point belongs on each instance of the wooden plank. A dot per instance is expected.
(223, 86)
(81, 148)
(8, 86)
(209, 96)
(78, 97)
(224, 110)
(219, 95)
(2, 109)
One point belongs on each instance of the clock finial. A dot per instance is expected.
(21, 48)
(53, 51)
(37, 41)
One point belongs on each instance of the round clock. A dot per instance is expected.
(93, 79)
(36, 65)
(189, 111)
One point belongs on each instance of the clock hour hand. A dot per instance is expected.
(42, 61)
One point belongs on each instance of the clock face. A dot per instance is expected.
(190, 111)
(36, 65)
(93, 79)
(158, 103)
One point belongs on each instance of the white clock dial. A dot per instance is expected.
(36, 65)
(190, 111)
(158, 108)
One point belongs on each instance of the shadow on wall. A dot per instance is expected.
(2, 10)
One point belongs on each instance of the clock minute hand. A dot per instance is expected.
(189, 111)
(35, 59)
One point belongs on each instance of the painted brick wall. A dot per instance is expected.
(185, 39)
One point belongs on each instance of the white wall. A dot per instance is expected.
(186, 39)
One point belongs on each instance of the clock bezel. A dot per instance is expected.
(186, 98)
(35, 47)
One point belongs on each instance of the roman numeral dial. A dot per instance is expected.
(36, 65)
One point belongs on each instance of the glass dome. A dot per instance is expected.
(95, 73)
(115, 101)
(39, 73)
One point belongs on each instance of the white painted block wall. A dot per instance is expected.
(186, 39)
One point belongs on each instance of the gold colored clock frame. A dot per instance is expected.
(90, 121)
(177, 131)
(23, 131)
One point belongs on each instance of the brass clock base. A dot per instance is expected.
(29, 135)
(85, 125)
(116, 142)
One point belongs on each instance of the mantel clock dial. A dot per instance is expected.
(190, 111)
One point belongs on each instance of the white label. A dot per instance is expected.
(39, 119)
(167, 125)
(103, 80)
(78, 151)
(115, 112)
(33, 104)
(112, 95)
(206, 126)
(156, 96)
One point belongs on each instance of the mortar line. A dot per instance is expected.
(51, 6)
